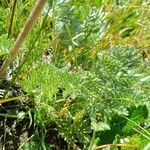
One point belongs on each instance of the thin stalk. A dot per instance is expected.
(30, 49)
(92, 140)
(141, 133)
(5, 132)
(73, 47)
(148, 133)
(43, 139)
(12, 18)
(12, 99)
(25, 142)
(116, 145)
(28, 26)
(8, 115)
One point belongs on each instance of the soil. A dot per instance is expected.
(14, 132)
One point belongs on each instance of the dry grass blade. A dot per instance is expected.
(12, 99)
(117, 145)
(30, 22)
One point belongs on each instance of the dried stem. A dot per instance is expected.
(28, 26)
(116, 145)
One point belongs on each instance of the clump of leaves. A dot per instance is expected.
(3, 20)
(82, 103)
(5, 45)
(80, 35)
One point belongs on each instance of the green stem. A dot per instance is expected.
(148, 133)
(92, 140)
(12, 99)
(73, 47)
(12, 18)
(31, 47)
(9, 116)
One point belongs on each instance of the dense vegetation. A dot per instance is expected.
(81, 80)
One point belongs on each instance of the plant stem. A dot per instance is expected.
(12, 99)
(92, 140)
(31, 47)
(148, 133)
(116, 145)
(28, 26)
(12, 18)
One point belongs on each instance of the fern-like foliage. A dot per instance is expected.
(85, 101)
